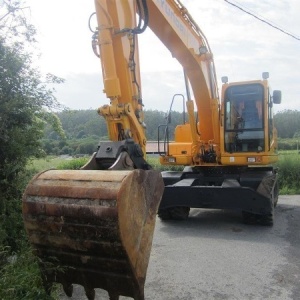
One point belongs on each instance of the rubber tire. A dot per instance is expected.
(90, 294)
(253, 219)
(164, 214)
(266, 220)
(276, 194)
(248, 218)
(180, 212)
(174, 213)
(68, 289)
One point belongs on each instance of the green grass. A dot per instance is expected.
(20, 276)
(288, 165)
(288, 152)
(289, 173)
(50, 162)
(154, 162)
(73, 164)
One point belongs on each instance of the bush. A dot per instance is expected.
(65, 150)
(12, 232)
(287, 144)
(20, 277)
(74, 164)
(289, 174)
(154, 162)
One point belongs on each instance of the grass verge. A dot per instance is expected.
(289, 174)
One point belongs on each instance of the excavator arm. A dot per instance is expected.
(94, 226)
(116, 37)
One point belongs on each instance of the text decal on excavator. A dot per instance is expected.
(185, 35)
(171, 16)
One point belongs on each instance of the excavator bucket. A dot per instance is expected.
(93, 228)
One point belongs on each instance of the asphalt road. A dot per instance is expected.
(213, 255)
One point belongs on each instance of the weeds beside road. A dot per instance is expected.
(20, 278)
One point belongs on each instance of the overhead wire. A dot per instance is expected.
(262, 20)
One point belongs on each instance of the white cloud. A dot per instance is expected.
(243, 48)
(64, 36)
(82, 91)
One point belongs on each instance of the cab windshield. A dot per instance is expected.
(244, 118)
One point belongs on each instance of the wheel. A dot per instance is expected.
(266, 220)
(174, 213)
(46, 284)
(68, 289)
(164, 214)
(248, 218)
(113, 296)
(276, 194)
(90, 293)
(179, 212)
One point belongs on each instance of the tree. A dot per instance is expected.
(25, 106)
(287, 123)
(25, 101)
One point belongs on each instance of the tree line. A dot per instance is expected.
(287, 123)
(25, 103)
(83, 129)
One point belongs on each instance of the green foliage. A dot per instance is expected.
(287, 123)
(77, 123)
(297, 134)
(289, 173)
(13, 23)
(153, 118)
(154, 162)
(20, 277)
(84, 128)
(53, 120)
(12, 232)
(73, 164)
(288, 144)
(40, 164)
(23, 98)
(87, 145)
(25, 101)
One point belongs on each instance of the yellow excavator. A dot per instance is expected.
(94, 226)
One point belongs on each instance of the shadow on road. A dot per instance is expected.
(220, 224)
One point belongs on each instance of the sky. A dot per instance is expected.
(243, 48)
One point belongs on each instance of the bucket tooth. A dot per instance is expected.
(93, 228)
(90, 293)
(68, 289)
(113, 296)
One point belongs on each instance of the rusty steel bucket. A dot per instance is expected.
(93, 228)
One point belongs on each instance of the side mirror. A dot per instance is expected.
(276, 97)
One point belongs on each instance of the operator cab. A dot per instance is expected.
(248, 116)
(244, 122)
